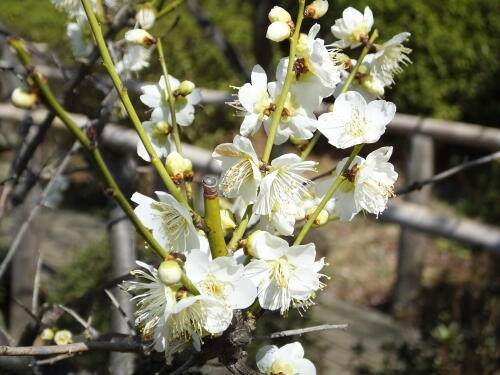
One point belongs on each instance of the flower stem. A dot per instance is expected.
(170, 7)
(215, 233)
(240, 231)
(168, 94)
(122, 92)
(276, 117)
(336, 184)
(51, 102)
(346, 86)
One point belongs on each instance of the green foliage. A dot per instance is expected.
(455, 55)
(36, 20)
(73, 281)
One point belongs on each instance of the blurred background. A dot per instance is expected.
(419, 288)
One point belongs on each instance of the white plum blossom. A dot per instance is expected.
(283, 188)
(146, 17)
(221, 278)
(80, 46)
(315, 73)
(254, 102)
(284, 275)
(352, 27)
(353, 121)
(161, 140)
(155, 97)
(171, 316)
(278, 14)
(134, 59)
(140, 37)
(169, 221)
(388, 59)
(316, 9)
(295, 121)
(240, 165)
(278, 31)
(368, 185)
(287, 360)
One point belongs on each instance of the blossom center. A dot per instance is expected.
(236, 176)
(356, 124)
(357, 34)
(214, 287)
(280, 367)
(262, 105)
(174, 223)
(187, 321)
(280, 272)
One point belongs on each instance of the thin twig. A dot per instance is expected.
(122, 346)
(116, 304)
(36, 285)
(301, 331)
(52, 360)
(7, 336)
(20, 234)
(448, 173)
(186, 365)
(85, 324)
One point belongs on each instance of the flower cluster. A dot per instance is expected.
(194, 292)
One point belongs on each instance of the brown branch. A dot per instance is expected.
(417, 185)
(26, 153)
(123, 346)
(301, 331)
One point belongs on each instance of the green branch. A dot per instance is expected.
(215, 233)
(51, 102)
(346, 86)
(122, 92)
(276, 116)
(335, 185)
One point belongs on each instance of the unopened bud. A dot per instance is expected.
(373, 86)
(140, 37)
(146, 17)
(316, 9)
(47, 334)
(63, 337)
(297, 141)
(252, 241)
(186, 88)
(177, 165)
(23, 99)
(278, 31)
(278, 14)
(169, 272)
(322, 218)
(227, 220)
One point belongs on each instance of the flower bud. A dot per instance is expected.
(322, 218)
(186, 88)
(175, 164)
(146, 17)
(23, 99)
(278, 14)
(227, 220)
(373, 86)
(278, 31)
(47, 334)
(140, 37)
(316, 9)
(169, 272)
(297, 141)
(252, 241)
(63, 337)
